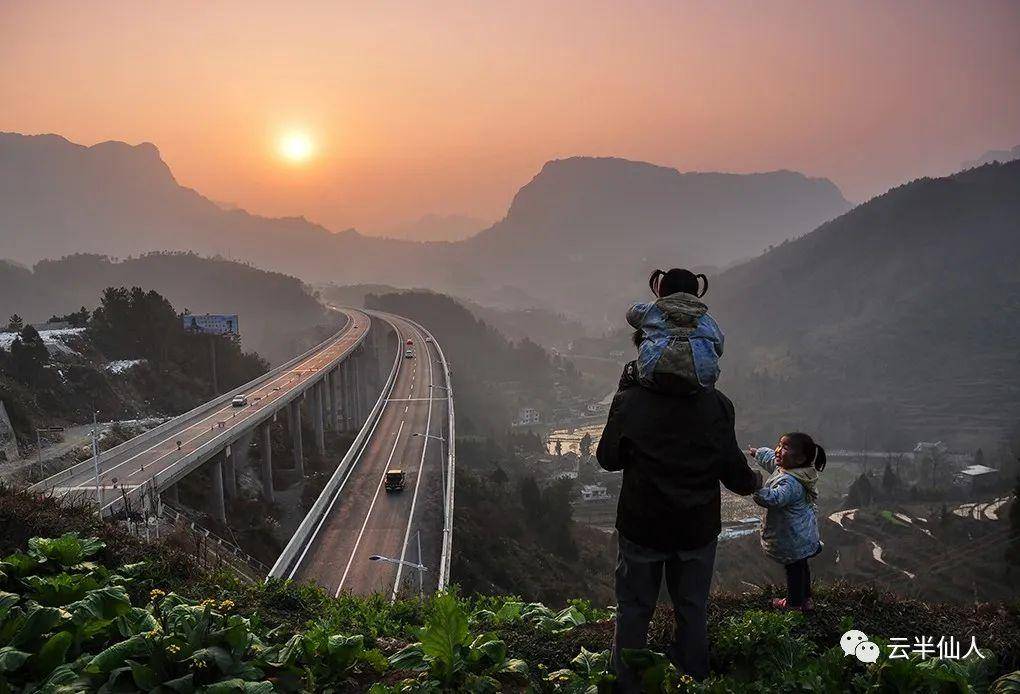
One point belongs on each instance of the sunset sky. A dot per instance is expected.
(371, 113)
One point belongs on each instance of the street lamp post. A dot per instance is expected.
(442, 463)
(95, 461)
(419, 566)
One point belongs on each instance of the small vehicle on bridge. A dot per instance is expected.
(408, 353)
(239, 401)
(394, 480)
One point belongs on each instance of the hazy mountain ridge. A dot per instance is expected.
(59, 198)
(585, 232)
(596, 198)
(435, 227)
(1000, 156)
(902, 317)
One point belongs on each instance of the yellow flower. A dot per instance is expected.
(155, 594)
(208, 602)
(173, 649)
(227, 605)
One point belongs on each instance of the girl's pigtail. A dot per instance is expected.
(655, 281)
(819, 460)
(704, 289)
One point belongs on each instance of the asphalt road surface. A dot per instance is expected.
(364, 519)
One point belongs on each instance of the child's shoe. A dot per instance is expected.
(782, 604)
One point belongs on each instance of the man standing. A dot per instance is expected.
(674, 450)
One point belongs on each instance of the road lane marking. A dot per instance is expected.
(247, 415)
(417, 484)
(371, 506)
(305, 366)
(353, 467)
(413, 399)
(332, 503)
(312, 367)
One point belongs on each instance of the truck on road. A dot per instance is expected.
(394, 480)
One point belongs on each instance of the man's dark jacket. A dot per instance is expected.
(674, 451)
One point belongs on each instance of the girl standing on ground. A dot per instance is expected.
(789, 534)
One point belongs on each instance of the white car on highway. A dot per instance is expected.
(239, 401)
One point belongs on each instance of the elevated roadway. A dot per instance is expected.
(162, 456)
(360, 518)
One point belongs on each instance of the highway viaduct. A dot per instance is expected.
(335, 384)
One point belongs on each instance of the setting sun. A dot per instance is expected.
(296, 147)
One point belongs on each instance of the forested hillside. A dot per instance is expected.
(129, 358)
(894, 323)
(278, 314)
(491, 375)
(543, 326)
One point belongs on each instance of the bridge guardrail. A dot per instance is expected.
(451, 444)
(285, 562)
(169, 425)
(253, 565)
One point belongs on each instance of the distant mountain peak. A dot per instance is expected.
(993, 155)
(140, 165)
(141, 159)
(436, 227)
(608, 199)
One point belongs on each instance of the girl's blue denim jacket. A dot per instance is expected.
(790, 529)
(680, 343)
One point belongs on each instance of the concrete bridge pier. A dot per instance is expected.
(267, 461)
(352, 400)
(359, 405)
(366, 381)
(219, 504)
(230, 471)
(317, 419)
(331, 393)
(238, 458)
(294, 422)
(338, 386)
(345, 396)
(352, 380)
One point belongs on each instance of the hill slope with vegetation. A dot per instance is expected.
(87, 607)
(129, 358)
(278, 315)
(491, 374)
(894, 323)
